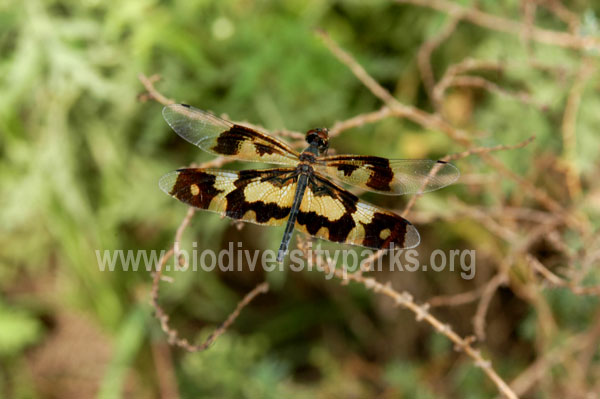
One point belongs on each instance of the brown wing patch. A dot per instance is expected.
(250, 145)
(221, 137)
(330, 212)
(262, 197)
(396, 176)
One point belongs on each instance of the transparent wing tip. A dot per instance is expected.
(412, 238)
(167, 182)
(449, 170)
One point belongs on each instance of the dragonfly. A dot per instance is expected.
(304, 193)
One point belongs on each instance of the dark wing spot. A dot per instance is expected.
(382, 221)
(381, 174)
(229, 142)
(262, 149)
(338, 229)
(205, 183)
(347, 169)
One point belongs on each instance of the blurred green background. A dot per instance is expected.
(81, 158)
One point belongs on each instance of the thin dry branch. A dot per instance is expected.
(487, 150)
(486, 298)
(463, 67)
(165, 372)
(179, 233)
(461, 155)
(493, 22)
(528, 8)
(569, 125)
(453, 77)
(482, 83)
(562, 13)
(163, 316)
(456, 299)
(360, 120)
(486, 219)
(539, 368)
(405, 300)
(557, 281)
(424, 55)
(151, 92)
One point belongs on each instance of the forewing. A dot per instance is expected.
(258, 196)
(221, 137)
(389, 176)
(328, 211)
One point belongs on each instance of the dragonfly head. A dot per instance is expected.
(319, 139)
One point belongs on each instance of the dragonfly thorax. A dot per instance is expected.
(304, 168)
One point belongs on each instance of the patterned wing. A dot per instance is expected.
(221, 137)
(389, 176)
(330, 212)
(258, 196)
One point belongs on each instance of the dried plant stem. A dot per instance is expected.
(558, 281)
(569, 124)
(151, 92)
(532, 374)
(421, 312)
(179, 233)
(165, 373)
(360, 120)
(454, 70)
(493, 22)
(562, 13)
(479, 82)
(424, 56)
(486, 298)
(461, 155)
(173, 334)
(456, 299)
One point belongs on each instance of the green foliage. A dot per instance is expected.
(405, 377)
(19, 330)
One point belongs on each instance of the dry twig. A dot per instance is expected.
(557, 281)
(461, 155)
(151, 92)
(421, 312)
(424, 56)
(569, 123)
(493, 22)
(456, 299)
